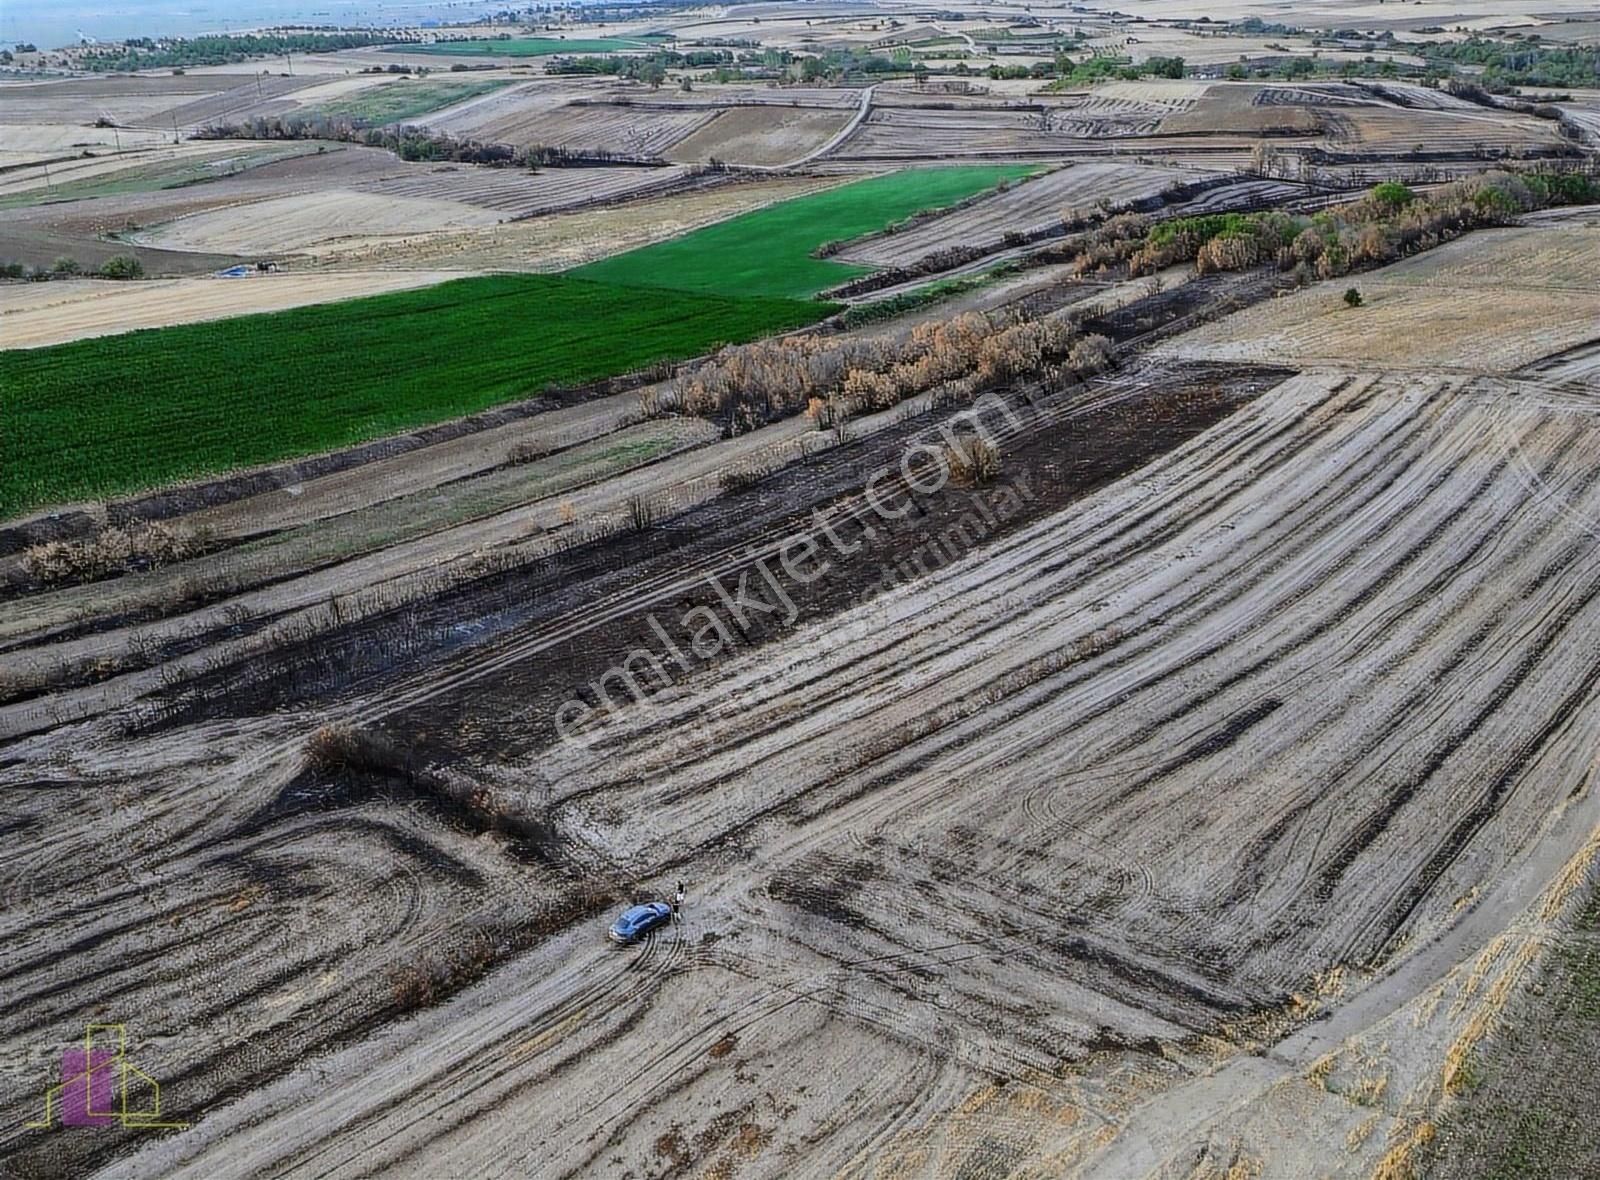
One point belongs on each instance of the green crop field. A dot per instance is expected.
(391, 102)
(120, 413)
(768, 252)
(530, 47)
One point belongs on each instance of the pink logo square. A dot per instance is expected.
(88, 1084)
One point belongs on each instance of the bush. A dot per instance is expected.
(1092, 354)
(341, 746)
(1352, 298)
(122, 266)
(526, 452)
(1393, 195)
(412, 987)
(65, 266)
(972, 462)
(113, 551)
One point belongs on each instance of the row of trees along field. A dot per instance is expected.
(411, 143)
(1523, 62)
(145, 53)
(1389, 222)
(651, 68)
(834, 377)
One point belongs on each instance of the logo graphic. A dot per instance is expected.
(100, 1086)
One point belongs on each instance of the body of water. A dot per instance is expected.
(51, 24)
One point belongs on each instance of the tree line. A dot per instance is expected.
(413, 143)
(145, 53)
(1389, 222)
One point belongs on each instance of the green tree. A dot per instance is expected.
(1393, 194)
(122, 266)
(1352, 298)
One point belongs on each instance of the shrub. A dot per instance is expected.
(122, 266)
(739, 479)
(1352, 298)
(828, 377)
(1393, 195)
(412, 987)
(113, 551)
(341, 746)
(972, 461)
(1390, 222)
(1092, 354)
(66, 266)
(526, 452)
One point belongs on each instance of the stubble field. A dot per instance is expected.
(1195, 781)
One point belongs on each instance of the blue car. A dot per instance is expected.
(638, 921)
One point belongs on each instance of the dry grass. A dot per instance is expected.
(832, 378)
(972, 462)
(291, 224)
(1398, 1163)
(340, 746)
(113, 551)
(1439, 308)
(432, 977)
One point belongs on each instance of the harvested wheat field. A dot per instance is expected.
(292, 225)
(1134, 736)
(126, 99)
(764, 134)
(1435, 310)
(28, 143)
(907, 133)
(78, 309)
(494, 116)
(1392, 130)
(242, 99)
(1238, 110)
(595, 126)
(180, 161)
(514, 193)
